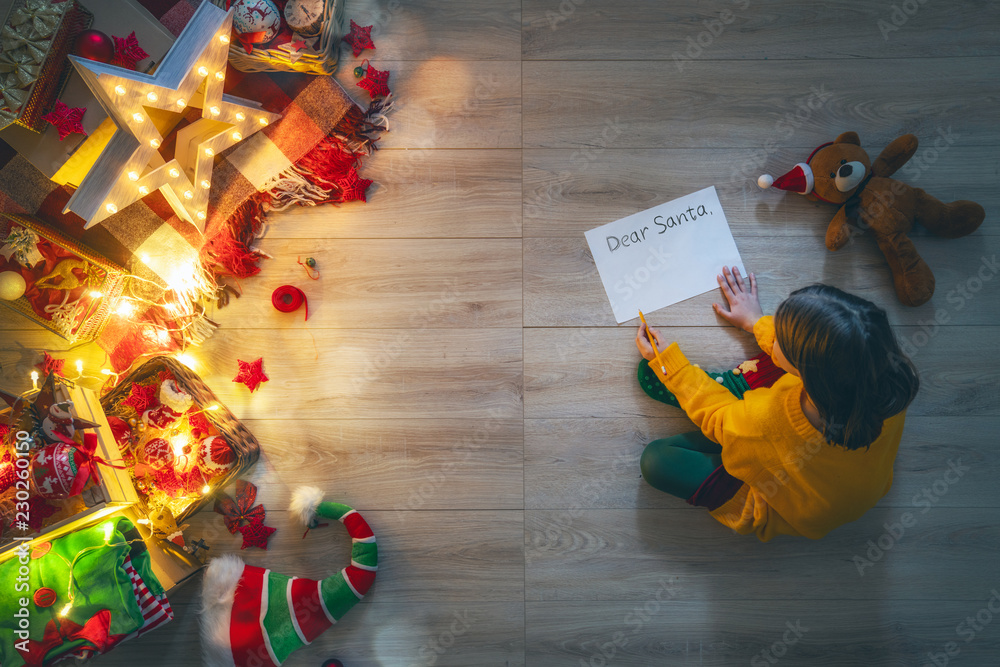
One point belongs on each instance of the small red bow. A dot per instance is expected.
(234, 512)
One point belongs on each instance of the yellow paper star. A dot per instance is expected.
(192, 74)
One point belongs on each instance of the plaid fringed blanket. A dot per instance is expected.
(311, 156)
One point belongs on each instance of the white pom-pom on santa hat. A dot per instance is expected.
(175, 398)
(305, 500)
(765, 181)
(215, 454)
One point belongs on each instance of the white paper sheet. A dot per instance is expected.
(665, 254)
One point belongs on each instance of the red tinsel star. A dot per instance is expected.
(66, 120)
(360, 38)
(142, 397)
(251, 373)
(236, 511)
(127, 52)
(375, 82)
(353, 187)
(50, 364)
(256, 534)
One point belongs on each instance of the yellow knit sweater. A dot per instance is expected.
(795, 483)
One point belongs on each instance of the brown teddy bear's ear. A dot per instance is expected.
(848, 138)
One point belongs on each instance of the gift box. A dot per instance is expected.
(49, 512)
(68, 288)
(180, 451)
(34, 41)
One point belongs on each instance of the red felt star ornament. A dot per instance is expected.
(66, 120)
(198, 422)
(50, 364)
(256, 534)
(251, 373)
(142, 397)
(353, 187)
(360, 38)
(375, 82)
(128, 52)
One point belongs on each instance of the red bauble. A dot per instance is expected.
(94, 45)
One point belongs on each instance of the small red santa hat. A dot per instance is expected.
(799, 179)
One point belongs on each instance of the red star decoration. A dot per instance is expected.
(353, 187)
(127, 52)
(50, 364)
(251, 373)
(256, 534)
(375, 82)
(166, 480)
(298, 44)
(66, 120)
(360, 38)
(142, 397)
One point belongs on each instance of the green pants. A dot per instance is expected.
(678, 465)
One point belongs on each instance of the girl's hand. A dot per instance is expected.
(642, 342)
(744, 307)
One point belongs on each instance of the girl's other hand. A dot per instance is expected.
(642, 341)
(744, 306)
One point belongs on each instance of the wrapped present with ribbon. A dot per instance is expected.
(22, 245)
(34, 42)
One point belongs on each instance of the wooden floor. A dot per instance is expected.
(462, 382)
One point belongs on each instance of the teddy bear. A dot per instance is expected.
(841, 173)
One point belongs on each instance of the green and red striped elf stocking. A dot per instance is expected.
(252, 616)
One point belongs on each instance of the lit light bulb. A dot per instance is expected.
(108, 528)
(151, 96)
(138, 117)
(133, 176)
(188, 194)
(96, 295)
(201, 215)
(206, 184)
(186, 359)
(111, 208)
(262, 120)
(205, 490)
(143, 190)
(209, 152)
(203, 71)
(120, 89)
(237, 136)
(155, 143)
(79, 366)
(174, 173)
(240, 115)
(220, 75)
(182, 103)
(215, 111)
(65, 610)
(224, 39)
(125, 309)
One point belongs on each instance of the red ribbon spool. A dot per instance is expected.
(288, 298)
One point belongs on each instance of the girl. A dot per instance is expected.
(800, 439)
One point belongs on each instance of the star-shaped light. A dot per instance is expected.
(65, 119)
(251, 373)
(353, 187)
(375, 82)
(256, 534)
(192, 73)
(360, 38)
(128, 53)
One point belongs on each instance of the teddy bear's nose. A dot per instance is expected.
(845, 171)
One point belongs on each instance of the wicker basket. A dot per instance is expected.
(280, 60)
(243, 443)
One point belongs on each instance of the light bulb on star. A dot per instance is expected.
(189, 70)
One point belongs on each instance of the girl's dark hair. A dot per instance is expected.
(849, 360)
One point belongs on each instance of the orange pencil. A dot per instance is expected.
(651, 341)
